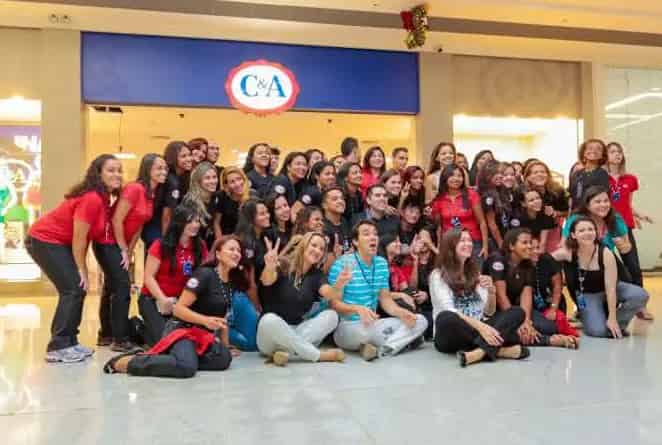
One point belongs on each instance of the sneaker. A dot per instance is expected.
(368, 352)
(66, 355)
(125, 346)
(87, 352)
(280, 358)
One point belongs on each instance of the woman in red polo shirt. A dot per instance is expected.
(456, 205)
(58, 241)
(133, 209)
(170, 263)
(622, 186)
(374, 166)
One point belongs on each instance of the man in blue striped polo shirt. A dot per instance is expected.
(360, 327)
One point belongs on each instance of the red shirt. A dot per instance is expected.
(141, 209)
(451, 213)
(620, 191)
(173, 284)
(368, 179)
(57, 226)
(400, 276)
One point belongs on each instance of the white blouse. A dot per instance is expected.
(444, 299)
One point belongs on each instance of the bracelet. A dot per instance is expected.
(554, 306)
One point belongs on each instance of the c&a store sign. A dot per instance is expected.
(262, 87)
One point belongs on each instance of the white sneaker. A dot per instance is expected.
(66, 355)
(87, 352)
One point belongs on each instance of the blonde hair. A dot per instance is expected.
(197, 195)
(227, 171)
(291, 259)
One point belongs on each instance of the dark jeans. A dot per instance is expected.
(116, 294)
(452, 334)
(154, 321)
(57, 263)
(631, 261)
(543, 324)
(181, 361)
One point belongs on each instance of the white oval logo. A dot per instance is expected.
(262, 87)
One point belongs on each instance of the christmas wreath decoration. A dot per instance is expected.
(415, 22)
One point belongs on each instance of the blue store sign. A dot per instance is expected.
(148, 70)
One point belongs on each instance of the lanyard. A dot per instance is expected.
(370, 283)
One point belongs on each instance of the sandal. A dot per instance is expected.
(524, 353)
(462, 358)
(568, 341)
(109, 367)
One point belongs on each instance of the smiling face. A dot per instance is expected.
(367, 241)
(199, 154)
(446, 155)
(327, 177)
(532, 201)
(411, 214)
(184, 159)
(229, 255)
(377, 199)
(355, 176)
(338, 162)
(537, 176)
(376, 160)
(599, 205)
(484, 159)
(509, 179)
(191, 228)
(455, 180)
(298, 168)
(334, 202)
(111, 175)
(584, 233)
(209, 181)
(464, 247)
(536, 250)
(262, 219)
(282, 209)
(522, 247)
(315, 250)
(315, 222)
(159, 171)
(262, 156)
(315, 157)
(213, 151)
(462, 162)
(416, 180)
(593, 152)
(393, 185)
(400, 160)
(234, 184)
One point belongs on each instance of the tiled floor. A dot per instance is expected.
(609, 392)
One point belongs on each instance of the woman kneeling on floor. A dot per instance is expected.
(461, 299)
(291, 287)
(198, 336)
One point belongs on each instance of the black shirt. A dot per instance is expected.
(213, 297)
(498, 203)
(283, 186)
(582, 180)
(260, 184)
(353, 205)
(387, 224)
(175, 189)
(536, 225)
(594, 280)
(293, 303)
(207, 230)
(229, 210)
(544, 271)
(343, 231)
(500, 269)
(558, 201)
(310, 196)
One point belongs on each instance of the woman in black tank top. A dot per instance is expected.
(606, 305)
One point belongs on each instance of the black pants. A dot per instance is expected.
(631, 261)
(452, 334)
(116, 294)
(154, 321)
(57, 263)
(181, 361)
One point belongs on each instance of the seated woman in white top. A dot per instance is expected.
(461, 299)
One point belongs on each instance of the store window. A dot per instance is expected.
(633, 114)
(20, 184)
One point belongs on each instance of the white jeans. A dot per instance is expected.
(390, 335)
(302, 340)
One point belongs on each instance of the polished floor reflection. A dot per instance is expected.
(609, 392)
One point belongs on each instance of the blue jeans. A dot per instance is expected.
(630, 300)
(243, 323)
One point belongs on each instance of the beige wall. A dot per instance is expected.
(20, 50)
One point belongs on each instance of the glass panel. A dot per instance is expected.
(20, 184)
(634, 117)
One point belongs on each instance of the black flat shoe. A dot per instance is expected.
(109, 367)
(524, 353)
(462, 358)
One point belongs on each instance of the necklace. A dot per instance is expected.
(370, 283)
(226, 293)
(581, 276)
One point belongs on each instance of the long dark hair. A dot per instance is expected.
(406, 178)
(183, 214)
(288, 160)
(145, 174)
(343, 173)
(434, 162)
(571, 243)
(589, 194)
(303, 217)
(92, 180)
(509, 240)
(316, 170)
(459, 277)
(238, 276)
(446, 173)
(248, 164)
(246, 222)
(171, 153)
(485, 186)
(368, 154)
(473, 171)
(270, 202)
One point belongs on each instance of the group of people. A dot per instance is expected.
(342, 252)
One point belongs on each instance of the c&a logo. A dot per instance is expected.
(262, 87)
